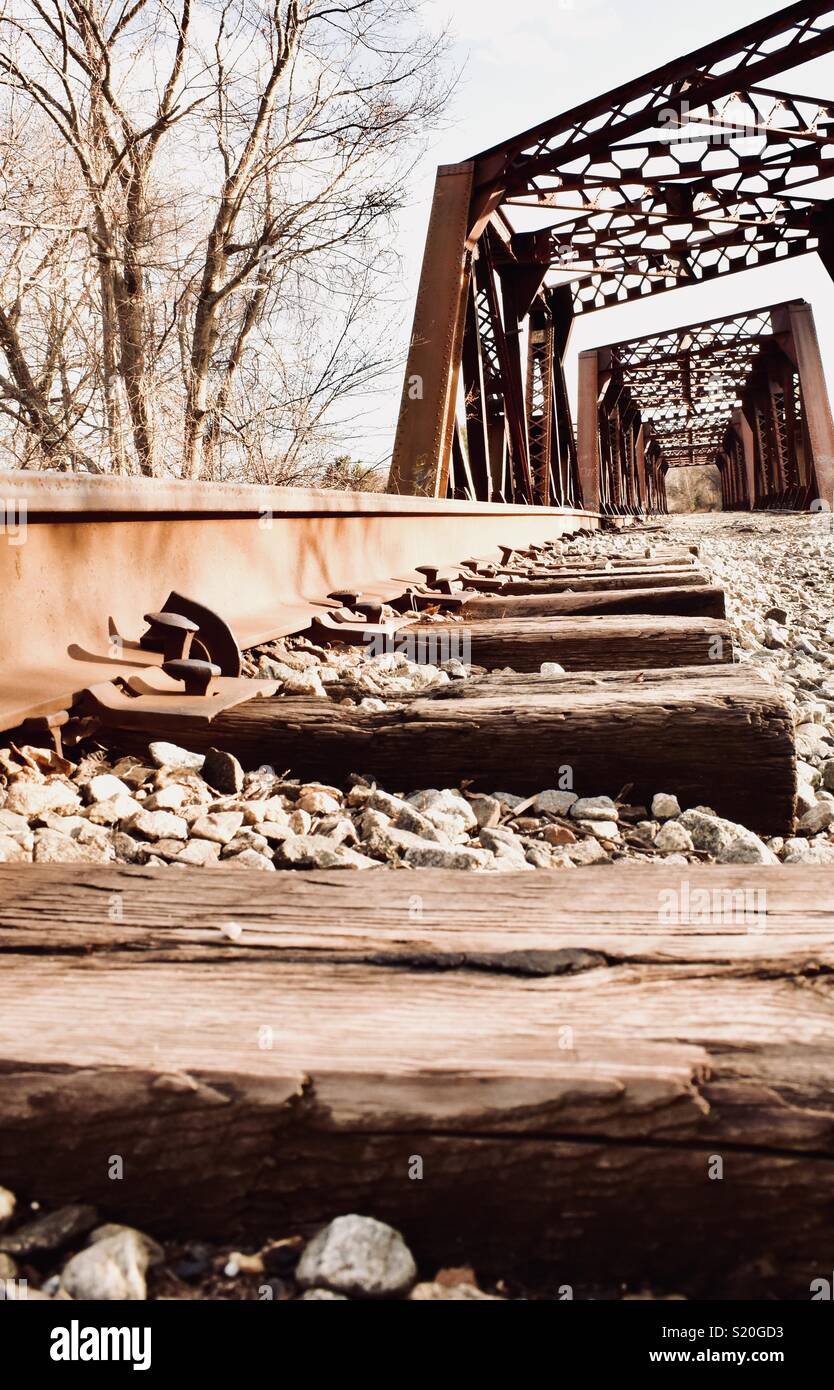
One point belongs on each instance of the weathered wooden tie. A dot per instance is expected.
(603, 579)
(565, 1053)
(719, 736)
(578, 643)
(697, 601)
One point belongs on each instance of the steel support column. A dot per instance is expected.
(423, 444)
(587, 447)
(816, 405)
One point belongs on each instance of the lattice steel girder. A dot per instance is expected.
(700, 168)
(690, 385)
(688, 199)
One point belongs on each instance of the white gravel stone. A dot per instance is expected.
(318, 852)
(555, 803)
(105, 786)
(673, 838)
(428, 856)
(383, 839)
(300, 822)
(602, 829)
(438, 806)
(798, 851)
(12, 852)
(486, 810)
(551, 668)
(27, 798)
(587, 852)
(169, 798)
(251, 859)
(504, 844)
(109, 1269)
(199, 852)
(594, 808)
(318, 803)
(270, 808)
(171, 755)
(806, 798)
(665, 806)
(359, 1257)
(746, 849)
(114, 811)
(220, 826)
(51, 847)
(158, 825)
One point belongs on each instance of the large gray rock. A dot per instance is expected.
(429, 856)
(404, 815)
(116, 809)
(318, 852)
(247, 859)
(385, 840)
(199, 853)
(710, 832)
(486, 810)
(746, 849)
(359, 1257)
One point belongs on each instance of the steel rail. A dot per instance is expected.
(82, 560)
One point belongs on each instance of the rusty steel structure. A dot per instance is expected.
(745, 392)
(699, 169)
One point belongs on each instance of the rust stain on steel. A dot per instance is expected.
(100, 553)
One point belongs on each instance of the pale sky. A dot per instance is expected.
(527, 60)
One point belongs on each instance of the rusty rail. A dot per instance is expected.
(83, 560)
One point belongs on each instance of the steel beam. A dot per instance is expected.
(587, 446)
(423, 444)
(816, 405)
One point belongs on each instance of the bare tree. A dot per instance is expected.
(235, 167)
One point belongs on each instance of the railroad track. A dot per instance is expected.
(565, 1052)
